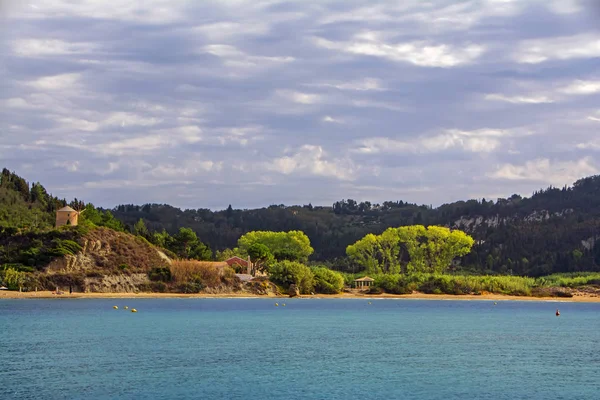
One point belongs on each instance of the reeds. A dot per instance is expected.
(210, 274)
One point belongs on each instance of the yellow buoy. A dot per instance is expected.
(283, 304)
(115, 307)
(127, 308)
(133, 310)
(276, 304)
(369, 302)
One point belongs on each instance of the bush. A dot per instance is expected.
(454, 284)
(206, 274)
(289, 273)
(190, 288)
(328, 281)
(160, 274)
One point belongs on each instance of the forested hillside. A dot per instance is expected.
(554, 230)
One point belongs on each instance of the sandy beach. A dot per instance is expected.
(5, 294)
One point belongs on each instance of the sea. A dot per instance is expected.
(196, 348)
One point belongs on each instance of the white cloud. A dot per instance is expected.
(366, 84)
(477, 141)
(535, 99)
(332, 120)
(71, 166)
(50, 47)
(313, 160)
(549, 93)
(129, 119)
(564, 6)
(78, 124)
(149, 11)
(227, 30)
(421, 53)
(558, 48)
(240, 61)
(580, 87)
(299, 97)
(557, 173)
(591, 145)
(56, 82)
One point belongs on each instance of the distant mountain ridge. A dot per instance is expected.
(554, 230)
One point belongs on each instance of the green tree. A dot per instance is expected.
(289, 273)
(292, 245)
(14, 279)
(261, 257)
(410, 249)
(328, 281)
(140, 228)
(187, 245)
(365, 253)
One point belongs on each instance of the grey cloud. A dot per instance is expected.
(193, 103)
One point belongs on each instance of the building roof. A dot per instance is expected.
(237, 260)
(66, 209)
(364, 279)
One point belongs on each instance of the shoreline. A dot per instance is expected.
(5, 294)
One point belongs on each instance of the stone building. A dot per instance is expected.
(66, 216)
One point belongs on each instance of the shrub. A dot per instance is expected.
(190, 288)
(289, 273)
(159, 287)
(160, 274)
(207, 274)
(328, 281)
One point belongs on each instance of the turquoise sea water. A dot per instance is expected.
(310, 349)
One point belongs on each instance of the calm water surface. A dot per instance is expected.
(310, 349)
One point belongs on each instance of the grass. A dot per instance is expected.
(201, 274)
(570, 280)
(479, 284)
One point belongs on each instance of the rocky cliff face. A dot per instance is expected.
(110, 261)
(116, 283)
(473, 223)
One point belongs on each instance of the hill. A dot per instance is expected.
(554, 230)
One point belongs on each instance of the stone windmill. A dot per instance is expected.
(67, 216)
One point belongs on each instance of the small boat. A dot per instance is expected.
(557, 312)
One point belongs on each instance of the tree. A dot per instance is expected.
(14, 279)
(292, 245)
(261, 257)
(289, 273)
(186, 245)
(140, 228)
(410, 249)
(365, 253)
(328, 281)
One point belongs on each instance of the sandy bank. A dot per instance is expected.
(4, 294)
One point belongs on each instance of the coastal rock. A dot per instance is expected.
(293, 291)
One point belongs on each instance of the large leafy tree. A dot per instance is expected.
(187, 245)
(261, 256)
(410, 249)
(287, 273)
(291, 246)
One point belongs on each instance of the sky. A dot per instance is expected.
(202, 104)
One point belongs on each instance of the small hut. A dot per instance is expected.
(363, 283)
(66, 216)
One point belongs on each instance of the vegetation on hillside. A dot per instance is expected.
(554, 230)
(456, 248)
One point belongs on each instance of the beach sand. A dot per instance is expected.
(5, 294)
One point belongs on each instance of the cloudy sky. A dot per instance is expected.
(257, 102)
